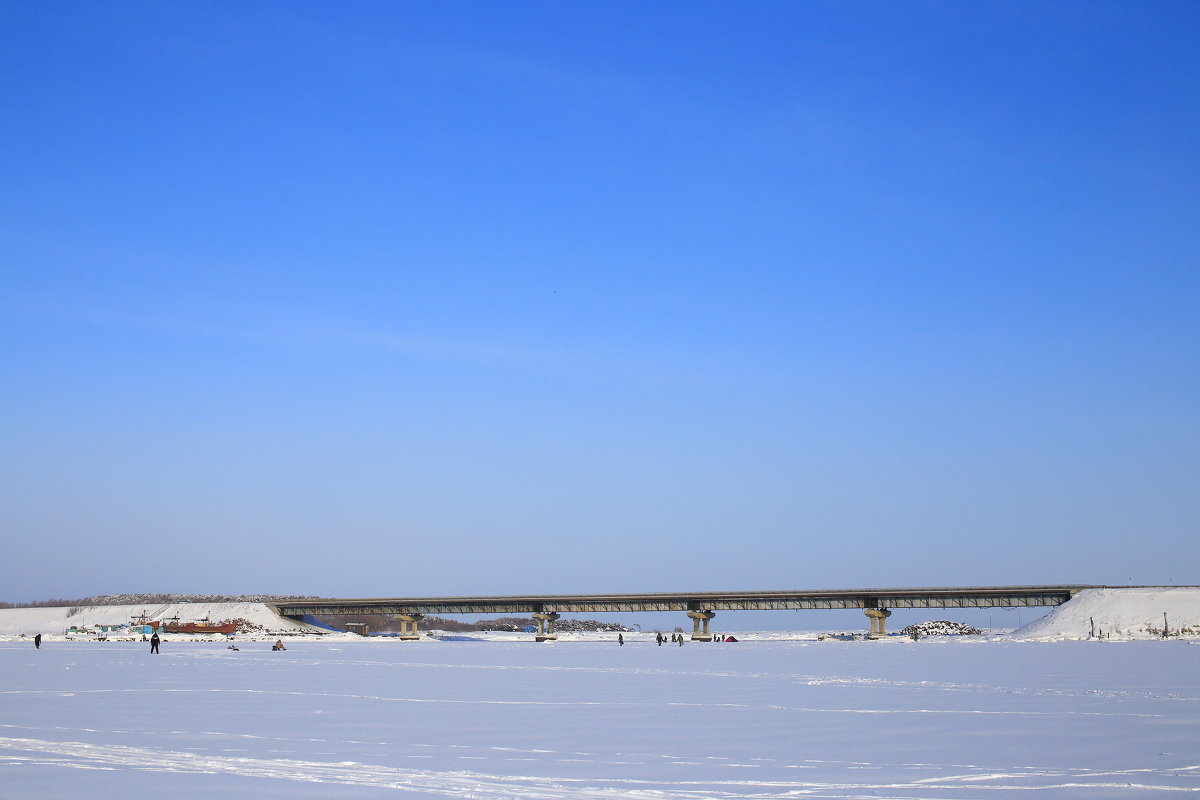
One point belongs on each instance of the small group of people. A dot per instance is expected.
(277, 646)
(154, 640)
(677, 638)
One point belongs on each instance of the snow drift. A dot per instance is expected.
(1134, 613)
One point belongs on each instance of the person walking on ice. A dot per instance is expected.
(37, 641)
(154, 640)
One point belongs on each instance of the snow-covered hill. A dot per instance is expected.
(55, 622)
(1134, 613)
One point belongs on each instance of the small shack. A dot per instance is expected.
(357, 627)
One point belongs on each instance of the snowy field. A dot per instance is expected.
(354, 718)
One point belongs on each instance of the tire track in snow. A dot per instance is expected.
(482, 786)
(607, 759)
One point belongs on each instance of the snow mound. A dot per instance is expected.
(92, 620)
(1134, 613)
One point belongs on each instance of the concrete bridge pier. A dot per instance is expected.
(700, 632)
(876, 617)
(545, 623)
(408, 626)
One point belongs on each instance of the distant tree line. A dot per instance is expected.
(381, 623)
(137, 599)
(41, 604)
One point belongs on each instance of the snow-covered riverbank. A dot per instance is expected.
(1140, 613)
(116, 622)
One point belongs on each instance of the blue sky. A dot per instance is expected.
(369, 299)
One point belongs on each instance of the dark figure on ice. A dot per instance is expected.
(658, 637)
(37, 641)
(681, 640)
(278, 645)
(154, 640)
(621, 639)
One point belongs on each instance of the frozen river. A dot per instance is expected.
(482, 720)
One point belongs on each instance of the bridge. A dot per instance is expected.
(700, 607)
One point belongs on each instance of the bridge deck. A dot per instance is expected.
(945, 597)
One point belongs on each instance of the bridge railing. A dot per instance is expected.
(940, 597)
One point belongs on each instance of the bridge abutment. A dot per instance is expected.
(700, 632)
(545, 623)
(876, 617)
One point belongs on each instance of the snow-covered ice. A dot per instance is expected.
(344, 717)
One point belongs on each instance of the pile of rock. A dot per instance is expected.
(940, 627)
(576, 625)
